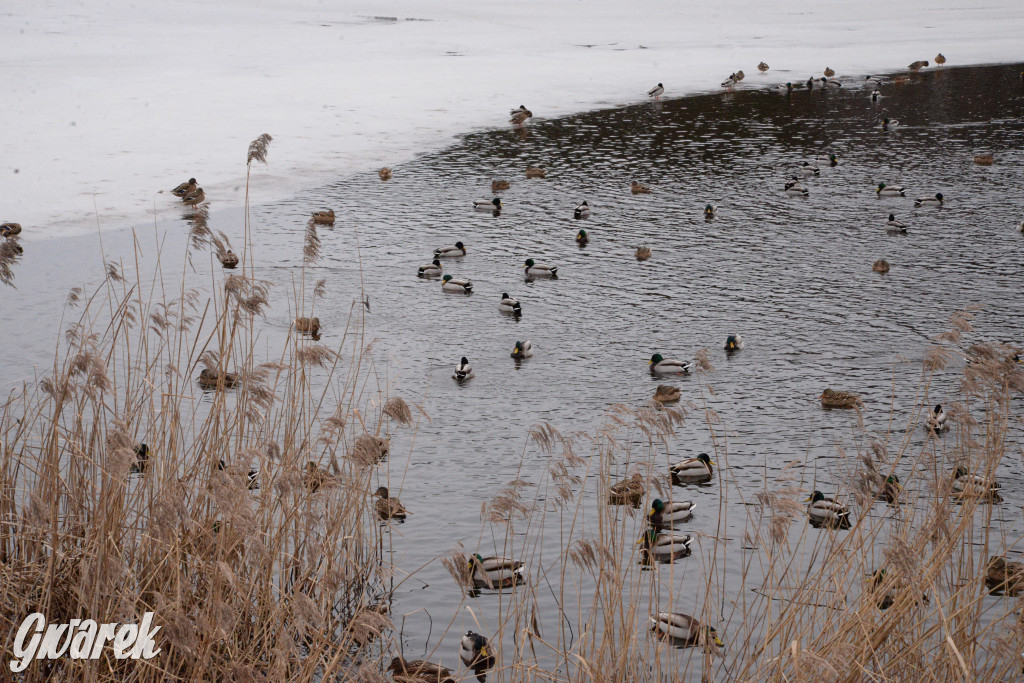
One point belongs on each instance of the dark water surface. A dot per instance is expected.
(791, 275)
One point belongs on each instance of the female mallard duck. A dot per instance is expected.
(463, 371)
(1004, 576)
(10, 229)
(808, 169)
(884, 591)
(639, 188)
(739, 75)
(891, 489)
(385, 173)
(664, 514)
(581, 211)
(918, 65)
(519, 117)
(475, 653)
(940, 59)
(664, 546)
(884, 190)
(710, 211)
(388, 507)
(582, 238)
(880, 266)
(194, 198)
(829, 72)
(419, 671)
(522, 349)
(432, 269)
(762, 67)
(229, 259)
(325, 217)
(642, 253)
(535, 172)
(316, 478)
(936, 200)
(656, 91)
(310, 326)
(831, 398)
(827, 512)
(487, 204)
(889, 124)
(451, 251)
(539, 269)
(667, 394)
(496, 572)
(665, 366)
(734, 342)
(937, 420)
(141, 461)
(684, 630)
(451, 284)
(970, 485)
(794, 188)
(185, 188)
(986, 159)
(499, 185)
(693, 470)
(212, 379)
(510, 305)
(628, 491)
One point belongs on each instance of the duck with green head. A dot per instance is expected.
(582, 238)
(884, 190)
(534, 269)
(693, 470)
(495, 572)
(827, 512)
(451, 284)
(710, 211)
(733, 342)
(666, 514)
(891, 489)
(522, 349)
(664, 546)
(475, 653)
(660, 365)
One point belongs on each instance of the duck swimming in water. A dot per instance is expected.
(884, 190)
(432, 269)
(734, 342)
(889, 124)
(937, 420)
(582, 211)
(697, 470)
(664, 514)
(710, 211)
(452, 251)
(582, 238)
(534, 269)
(894, 225)
(463, 371)
(523, 349)
(451, 284)
(936, 200)
(510, 305)
(639, 188)
(827, 512)
(665, 366)
(487, 204)
(684, 630)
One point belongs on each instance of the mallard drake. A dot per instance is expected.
(762, 67)
(827, 512)
(656, 91)
(663, 366)
(884, 190)
(829, 72)
(639, 188)
(419, 671)
(830, 83)
(985, 159)
(1004, 576)
(880, 266)
(475, 653)
(936, 200)
(810, 83)
(252, 476)
(710, 211)
(667, 394)
(499, 185)
(889, 124)
(452, 251)
(831, 159)
(808, 169)
(693, 470)
(463, 371)
(581, 211)
(582, 238)
(730, 81)
(966, 484)
(795, 188)
(213, 379)
(496, 572)
(628, 491)
(10, 229)
(874, 81)
(664, 546)
(229, 259)
(937, 420)
(141, 461)
(522, 349)
(451, 284)
(185, 188)
(310, 326)
(684, 630)
(664, 514)
(385, 173)
(325, 217)
(487, 204)
(642, 253)
(510, 305)
(831, 398)
(893, 224)
(519, 117)
(432, 269)
(520, 108)
(785, 88)
(734, 342)
(891, 489)
(875, 94)
(539, 269)
(388, 507)
(194, 198)
(918, 65)
(535, 172)
(939, 59)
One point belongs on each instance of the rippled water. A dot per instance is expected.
(791, 275)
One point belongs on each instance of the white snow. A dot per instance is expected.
(112, 102)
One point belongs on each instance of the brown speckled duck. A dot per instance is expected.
(419, 671)
(10, 229)
(388, 507)
(385, 173)
(840, 399)
(498, 185)
(666, 393)
(211, 379)
(535, 172)
(229, 259)
(1004, 576)
(628, 491)
(639, 188)
(310, 326)
(325, 217)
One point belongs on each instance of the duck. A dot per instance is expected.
(388, 507)
(810, 83)
(893, 224)
(664, 366)
(520, 108)
(487, 204)
(808, 169)
(520, 116)
(522, 349)
(251, 477)
(739, 75)
(884, 190)
(666, 393)
(581, 211)
(831, 398)
(693, 470)
(656, 91)
(664, 546)
(10, 229)
(229, 259)
(891, 489)
(734, 342)
(795, 188)
(829, 72)
(325, 217)
(684, 630)
(785, 87)
(185, 188)
(628, 491)
(419, 671)
(534, 269)
(1004, 576)
(984, 159)
(974, 485)
(939, 59)
(830, 83)
(936, 200)
(642, 253)
(141, 461)
(510, 305)
(452, 251)
(463, 371)
(762, 67)
(888, 124)
(316, 478)
(874, 81)
(194, 198)
(664, 513)
(918, 65)
(730, 81)
(937, 420)
(710, 211)
(827, 512)
(212, 379)
(384, 173)
(639, 188)
(496, 572)
(880, 266)
(310, 326)
(451, 284)
(432, 269)
(535, 172)
(1020, 228)
(875, 94)
(886, 599)
(582, 238)
(498, 185)
(475, 653)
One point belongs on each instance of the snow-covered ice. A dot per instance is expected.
(106, 104)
